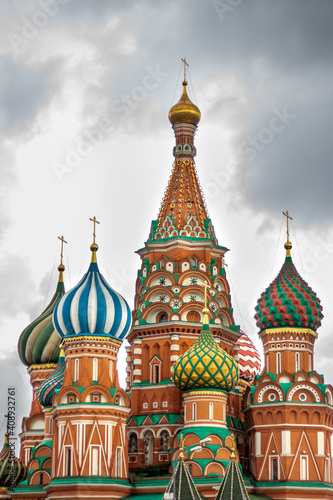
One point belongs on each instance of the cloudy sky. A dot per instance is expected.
(85, 91)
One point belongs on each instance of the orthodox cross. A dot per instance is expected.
(95, 221)
(61, 238)
(288, 217)
(185, 64)
(224, 262)
(206, 286)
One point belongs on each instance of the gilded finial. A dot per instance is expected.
(62, 353)
(288, 245)
(94, 246)
(7, 430)
(205, 309)
(233, 447)
(61, 266)
(181, 447)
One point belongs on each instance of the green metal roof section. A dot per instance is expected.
(232, 486)
(182, 485)
(155, 418)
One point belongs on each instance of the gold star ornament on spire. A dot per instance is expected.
(288, 244)
(94, 246)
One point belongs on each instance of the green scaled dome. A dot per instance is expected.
(39, 342)
(12, 470)
(288, 301)
(205, 366)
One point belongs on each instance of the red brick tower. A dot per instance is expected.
(181, 254)
(288, 410)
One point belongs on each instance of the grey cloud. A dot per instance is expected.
(24, 91)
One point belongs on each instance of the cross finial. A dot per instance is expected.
(288, 217)
(185, 64)
(95, 221)
(206, 287)
(224, 262)
(94, 246)
(61, 238)
(7, 429)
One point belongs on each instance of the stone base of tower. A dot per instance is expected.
(98, 488)
(295, 491)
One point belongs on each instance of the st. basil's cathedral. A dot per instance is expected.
(198, 419)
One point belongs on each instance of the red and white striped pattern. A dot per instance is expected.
(249, 359)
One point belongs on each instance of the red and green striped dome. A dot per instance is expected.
(288, 302)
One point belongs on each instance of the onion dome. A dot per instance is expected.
(92, 307)
(39, 342)
(288, 301)
(184, 111)
(54, 381)
(12, 470)
(249, 359)
(205, 365)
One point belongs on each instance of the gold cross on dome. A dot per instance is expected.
(288, 217)
(207, 287)
(95, 221)
(61, 238)
(224, 262)
(185, 64)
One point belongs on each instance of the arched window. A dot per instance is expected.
(95, 369)
(111, 370)
(156, 373)
(190, 469)
(162, 316)
(118, 462)
(193, 262)
(211, 411)
(76, 370)
(193, 316)
(51, 425)
(296, 361)
(194, 411)
(40, 479)
(274, 469)
(278, 362)
(68, 462)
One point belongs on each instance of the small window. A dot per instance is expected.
(68, 461)
(95, 369)
(156, 373)
(274, 469)
(190, 469)
(165, 404)
(40, 479)
(118, 462)
(51, 425)
(211, 411)
(194, 411)
(76, 370)
(71, 398)
(145, 405)
(155, 404)
(296, 361)
(162, 316)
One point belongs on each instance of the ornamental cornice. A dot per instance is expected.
(289, 329)
(45, 366)
(96, 338)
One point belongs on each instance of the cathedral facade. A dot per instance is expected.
(198, 415)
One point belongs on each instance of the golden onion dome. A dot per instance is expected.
(205, 366)
(184, 111)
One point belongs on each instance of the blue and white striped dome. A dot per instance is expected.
(92, 307)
